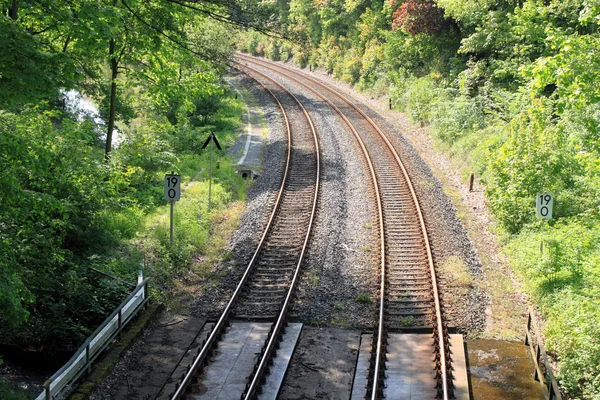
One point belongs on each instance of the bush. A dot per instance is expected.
(272, 50)
(300, 58)
(453, 117)
(417, 98)
(564, 279)
(350, 68)
(285, 51)
(535, 158)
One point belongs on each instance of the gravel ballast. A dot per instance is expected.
(454, 255)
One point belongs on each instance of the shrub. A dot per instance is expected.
(453, 117)
(419, 97)
(534, 159)
(363, 298)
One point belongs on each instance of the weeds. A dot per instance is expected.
(363, 298)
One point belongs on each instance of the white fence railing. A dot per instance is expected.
(96, 343)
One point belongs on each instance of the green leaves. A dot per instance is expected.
(28, 71)
(534, 158)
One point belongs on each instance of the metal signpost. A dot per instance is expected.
(172, 194)
(214, 139)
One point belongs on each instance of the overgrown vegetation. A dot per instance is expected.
(73, 201)
(510, 87)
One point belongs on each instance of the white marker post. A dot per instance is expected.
(172, 194)
(543, 207)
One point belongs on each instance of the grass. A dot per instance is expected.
(341, 323)
(201, 233)
(313, 280)
(457, 271)
(363, 298)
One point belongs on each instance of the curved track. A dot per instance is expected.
(268, 283)
(409, 299)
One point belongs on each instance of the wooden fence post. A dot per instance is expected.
(471, 179)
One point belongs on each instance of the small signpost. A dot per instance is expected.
(543, 205)
(172, 194)
(214, 139)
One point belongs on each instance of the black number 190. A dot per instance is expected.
(171, 183)
(544, 201)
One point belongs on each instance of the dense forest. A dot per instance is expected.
(509, 87)
(82, 193)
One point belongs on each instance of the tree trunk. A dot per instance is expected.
(14, 10)
(114, 64)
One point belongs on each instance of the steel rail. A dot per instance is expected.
(379, 205)
(222, 322)
(255, 383)
(439, 323)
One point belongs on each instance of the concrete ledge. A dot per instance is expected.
(102, 368)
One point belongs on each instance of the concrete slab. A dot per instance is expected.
(361, 374)
(410, 367)
(322, 366)
(226, 376)
(186, 360)
(157, 355)
(459, 365)
(271, 388)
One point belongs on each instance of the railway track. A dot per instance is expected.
(409, 299)
(266, 289)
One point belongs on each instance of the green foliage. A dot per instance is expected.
(534, 158)
(453, 117)
(28, 73)
(363, 298)
(8, 393)
(564, 278)
(65, 209)
(415, 96)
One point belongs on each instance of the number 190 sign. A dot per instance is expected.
(543, 205)
(172, 187)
